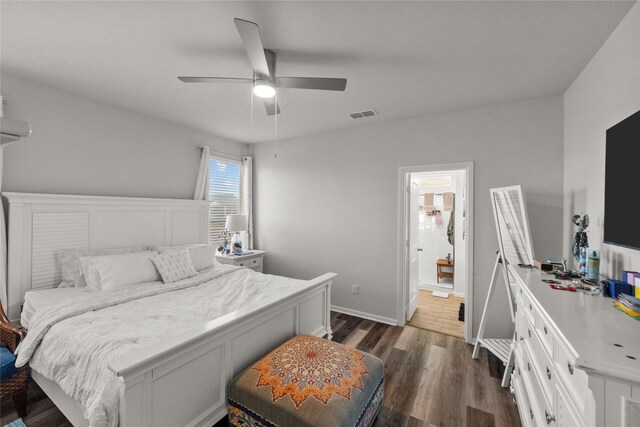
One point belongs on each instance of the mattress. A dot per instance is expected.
(38, 299)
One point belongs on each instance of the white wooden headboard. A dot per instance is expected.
(40, 224)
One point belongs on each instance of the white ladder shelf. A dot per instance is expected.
(501, 347)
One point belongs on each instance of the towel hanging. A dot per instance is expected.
(447, 201)
(429, 202)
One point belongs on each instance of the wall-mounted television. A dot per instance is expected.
(622, 184)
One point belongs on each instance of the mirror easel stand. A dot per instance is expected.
(502, 348)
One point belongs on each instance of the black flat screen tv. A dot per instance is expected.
(622, 184)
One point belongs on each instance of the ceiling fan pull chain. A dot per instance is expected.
(275, 130)
(251, 118)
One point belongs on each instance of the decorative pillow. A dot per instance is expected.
(69, 262)
(174, 265)
(202, 255)
(108, 272)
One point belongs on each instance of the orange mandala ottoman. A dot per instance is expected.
(308, 381)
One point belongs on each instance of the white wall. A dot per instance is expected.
(82, 146)
(329, 202)
(606, 92)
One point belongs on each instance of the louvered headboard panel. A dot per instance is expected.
(41, 224)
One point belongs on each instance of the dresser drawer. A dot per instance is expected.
(575, 380)
(249, 263)
(544, 367)
(566, 415)
(546, 334)
(525, 304)
(537, 406)
(522, 399)
(255, 262)
(541, 402)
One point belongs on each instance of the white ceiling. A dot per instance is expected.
(404, 59)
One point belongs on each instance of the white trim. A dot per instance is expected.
(401, 281)
(362, 314)
(226, 158)
(223, 155)
(65, 199)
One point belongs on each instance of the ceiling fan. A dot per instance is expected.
(264, 81)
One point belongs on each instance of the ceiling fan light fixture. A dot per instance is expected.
(264, 89)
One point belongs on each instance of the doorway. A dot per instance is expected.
(436, 248)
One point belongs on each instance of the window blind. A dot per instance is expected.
(225, 194)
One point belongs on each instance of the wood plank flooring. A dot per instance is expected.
(438, 314)
(431, 380)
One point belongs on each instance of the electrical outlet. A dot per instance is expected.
(355, 289)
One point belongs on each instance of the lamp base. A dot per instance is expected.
(236, 244)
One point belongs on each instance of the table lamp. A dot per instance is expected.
(236, 223)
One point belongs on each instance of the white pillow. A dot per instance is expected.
(174, 265)
(108, 272)
(202, 255)
(69, 262)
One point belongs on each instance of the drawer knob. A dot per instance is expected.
(519, 371)
(531, 412)
(529, 331)
(241, 264)
(545, 330)
(530, 307)
(528, 367)
(550, 418)
(548, 373)
(570, 368)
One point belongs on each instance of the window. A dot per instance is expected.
(225, 194)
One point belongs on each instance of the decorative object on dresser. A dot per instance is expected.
(236, 224)
(512, 226)
(581, 241)
(252, 260)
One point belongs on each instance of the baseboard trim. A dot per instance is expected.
(364, 315)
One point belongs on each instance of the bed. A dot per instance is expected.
(179, 377)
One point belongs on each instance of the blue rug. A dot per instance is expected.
(17, 423)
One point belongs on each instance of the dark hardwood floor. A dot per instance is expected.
(431, 380)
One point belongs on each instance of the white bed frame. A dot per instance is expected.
(182, 381)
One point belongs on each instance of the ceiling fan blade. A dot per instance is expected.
(213, 79)
(270, 106)
(250, 35)
(319, 83)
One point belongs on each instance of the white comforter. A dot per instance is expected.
(73, 343)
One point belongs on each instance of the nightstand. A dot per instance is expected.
(252, 261)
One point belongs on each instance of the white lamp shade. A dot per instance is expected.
(236, 223)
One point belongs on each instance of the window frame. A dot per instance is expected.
(215, 231)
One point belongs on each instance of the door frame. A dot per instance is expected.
(404, 180)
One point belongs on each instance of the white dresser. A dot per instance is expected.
(577, 359)
(253, 260)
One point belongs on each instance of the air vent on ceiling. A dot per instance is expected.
(361, 114)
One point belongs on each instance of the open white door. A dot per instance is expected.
(413, 250)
